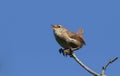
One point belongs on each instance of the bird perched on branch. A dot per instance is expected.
(67, 39)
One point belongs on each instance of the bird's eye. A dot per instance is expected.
(59, 26)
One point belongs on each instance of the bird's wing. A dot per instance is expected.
(69, 33)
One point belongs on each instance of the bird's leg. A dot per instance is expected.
(66, 52)
(73, 49)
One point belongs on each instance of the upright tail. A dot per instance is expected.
(80, 33)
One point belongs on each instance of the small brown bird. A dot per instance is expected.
(67, 39)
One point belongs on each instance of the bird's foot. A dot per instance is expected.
(66, 52)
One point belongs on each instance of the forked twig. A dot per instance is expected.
(90, 70)
(84, 66)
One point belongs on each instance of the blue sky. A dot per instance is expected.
(28, 47)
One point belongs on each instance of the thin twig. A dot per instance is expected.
(84, 66)
(110, 62)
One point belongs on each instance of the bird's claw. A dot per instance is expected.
(60, 50)
(66, 52)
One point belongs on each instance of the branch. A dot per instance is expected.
(110, 62)
(84, 66)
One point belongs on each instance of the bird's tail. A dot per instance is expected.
(80, 33)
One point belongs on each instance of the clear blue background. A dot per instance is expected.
(28, 47)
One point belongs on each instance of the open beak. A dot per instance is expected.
(54, 26)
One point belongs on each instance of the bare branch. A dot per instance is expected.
(84, 66)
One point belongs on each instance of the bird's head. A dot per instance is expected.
(57, 27)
